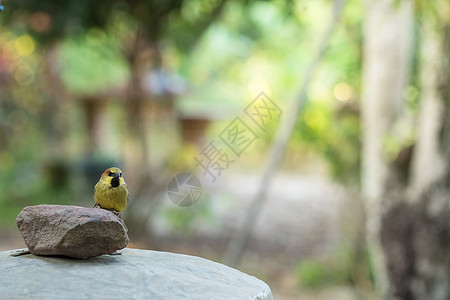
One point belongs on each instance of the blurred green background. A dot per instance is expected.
(146, 85)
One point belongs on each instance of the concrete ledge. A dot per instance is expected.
(136, 274)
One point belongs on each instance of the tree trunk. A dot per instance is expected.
(387, 51)
(136, 155)
(55, 95)
(416, 232)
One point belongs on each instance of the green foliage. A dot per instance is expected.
(317, 273)
(345, 266)
(228, 56)
(28, 184)
(314, 274)
(251, 51)
(53, 20)
(93, 62)
(182, 220)
(333, 132)
(65, 18)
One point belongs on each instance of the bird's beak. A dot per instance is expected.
(116, 175)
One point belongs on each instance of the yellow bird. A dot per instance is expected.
(111, 191)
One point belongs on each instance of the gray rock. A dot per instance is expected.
(136, 274)
(72, 231)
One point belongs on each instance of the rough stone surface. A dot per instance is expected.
(136, 274)
(72, 231)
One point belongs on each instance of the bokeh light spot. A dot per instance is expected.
(24, 45)
(258, 85)
(343, 91)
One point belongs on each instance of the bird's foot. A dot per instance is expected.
(118, 214)
(21, 252)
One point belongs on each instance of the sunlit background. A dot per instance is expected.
(147, 85)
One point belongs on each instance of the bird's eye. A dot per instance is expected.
(110, 174)
(120, 174)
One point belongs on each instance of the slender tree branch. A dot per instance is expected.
(239, 240)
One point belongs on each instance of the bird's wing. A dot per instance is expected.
(128, 194)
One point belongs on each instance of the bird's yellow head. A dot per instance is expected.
(113, 176)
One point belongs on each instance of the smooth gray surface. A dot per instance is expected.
(136, 274)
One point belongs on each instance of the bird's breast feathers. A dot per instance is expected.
(111, 197)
